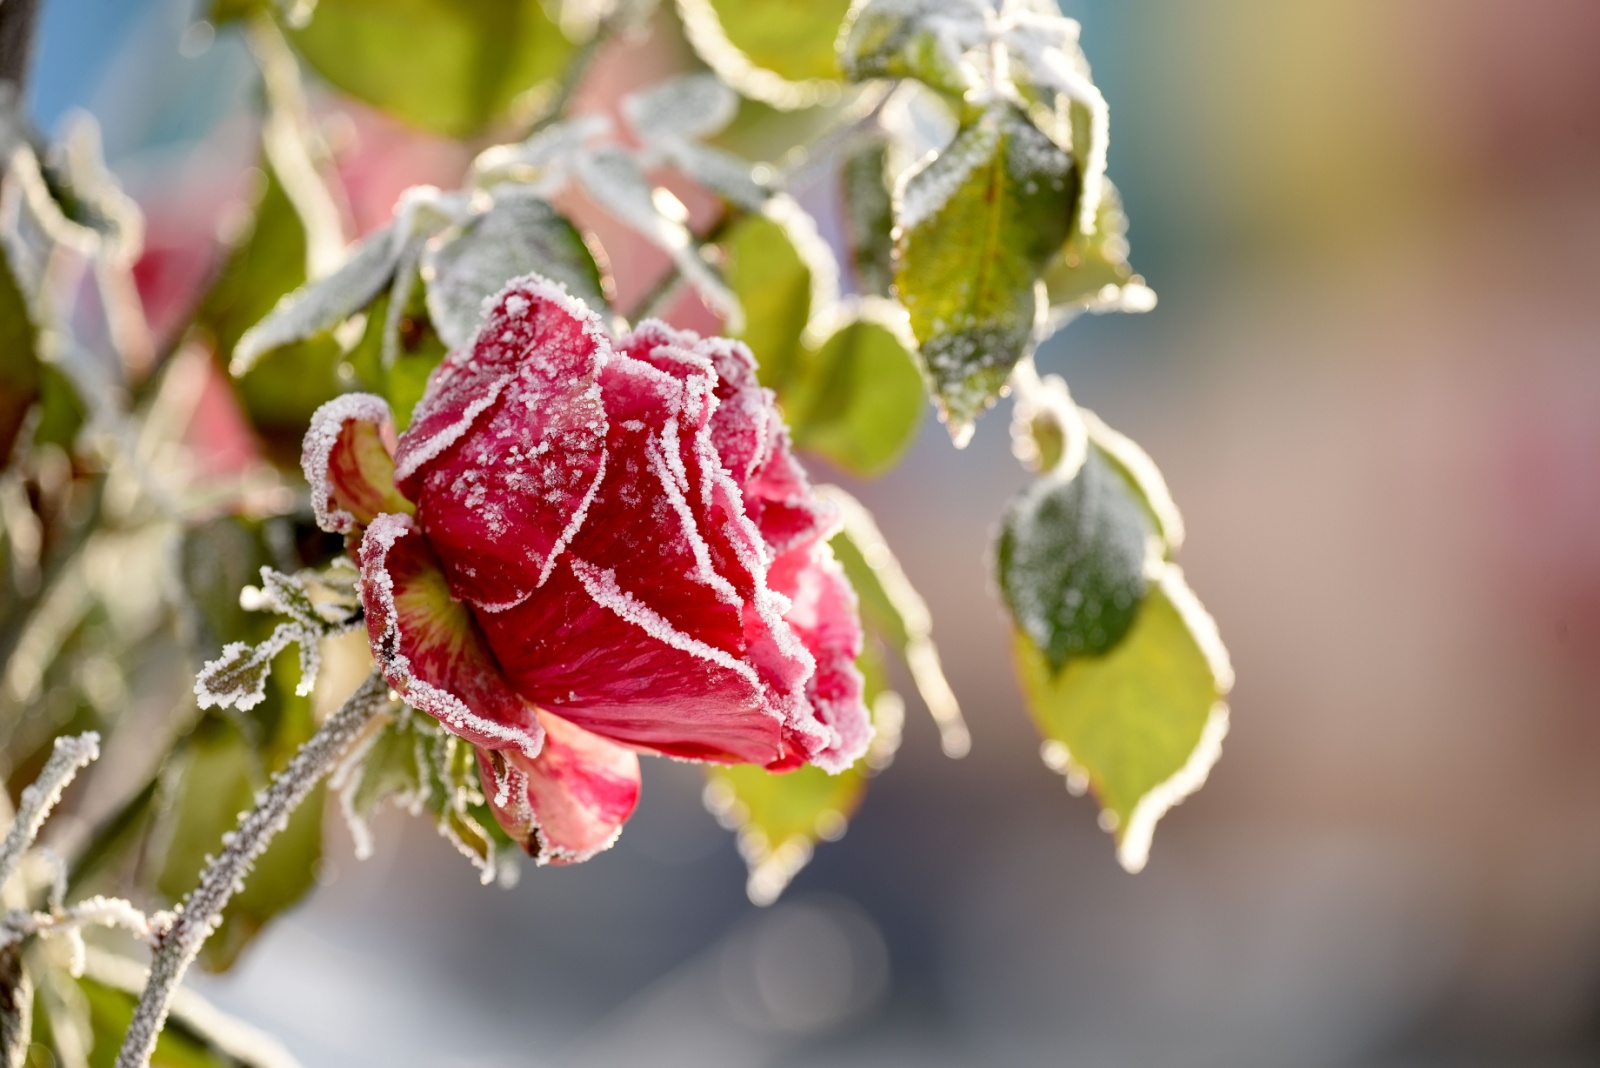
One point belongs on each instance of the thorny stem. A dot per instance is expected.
(70, 755)
(201, 910)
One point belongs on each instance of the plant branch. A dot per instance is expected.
(69, 755)
(201, 910)
(656, 299)
(17, 21)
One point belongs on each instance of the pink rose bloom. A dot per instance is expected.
(585, 548)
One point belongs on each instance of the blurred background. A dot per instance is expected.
(1373, 382)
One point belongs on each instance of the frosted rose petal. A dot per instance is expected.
(569, 802)
(507, 448)
(349, 464)
(429, 645)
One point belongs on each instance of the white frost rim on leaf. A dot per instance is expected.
(441, 704)
(711, 43)
(920, 654)
(1128, 453)
(1133, 851)
(316, 451)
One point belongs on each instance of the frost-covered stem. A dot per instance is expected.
(69, 755)
(16, 1009)
(288, 137)
(656, 299)
(201, 910)
(572, 78)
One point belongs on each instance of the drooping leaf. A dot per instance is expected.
(519, 233)
(921, 39)
(1071, 560)
(21, 375)
(857, 400)
(773, 50)
(977, 224)
(893, 613)
(455, 67)
(869, 218)
(1142, 724)
(780, 817)
(1092, 272)
(672, 120)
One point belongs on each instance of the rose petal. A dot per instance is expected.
(569, 802)
(348, 461)
(500, 504)
(825, 616)
(429, 645)
(661, 631)
(754, 445)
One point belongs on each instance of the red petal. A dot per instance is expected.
(347, 458)
(662, 631)
(430, 647)
(569, 802)
(500, 503)
(825, 616)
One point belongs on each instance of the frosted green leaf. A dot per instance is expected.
(323, 304)
(977, 224)
(1071, 560)
(520, 233)
(673, 117)
(1092, 272)
(922, 39)
(455, 67)
(777, 51)
(1142, 724)
(894, 613)
(781, 272)
(780, 817)
(857, 399)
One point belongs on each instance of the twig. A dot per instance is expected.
(659, 296)
(17, 21)
(201, 910)
(69, 755)
(96, 911)
(287, 136)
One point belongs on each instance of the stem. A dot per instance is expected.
(201, 910)
(656, 299)
(70, 754)
(572, 78)
(17, 21)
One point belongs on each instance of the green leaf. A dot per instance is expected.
(977, 224)
(214, 777)
(922, 39)
(1142, 724)
(519, 233)
(1092, 272)
(773, 50)
(21, 374)
(869, 217)
(858, 399)
(773, 282)
(62, 411)
(780, 816)
(1071, 559)
(279, 394)
(420, 350)
(893, 613)
(455, 67)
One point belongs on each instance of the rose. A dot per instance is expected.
(584, 548)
